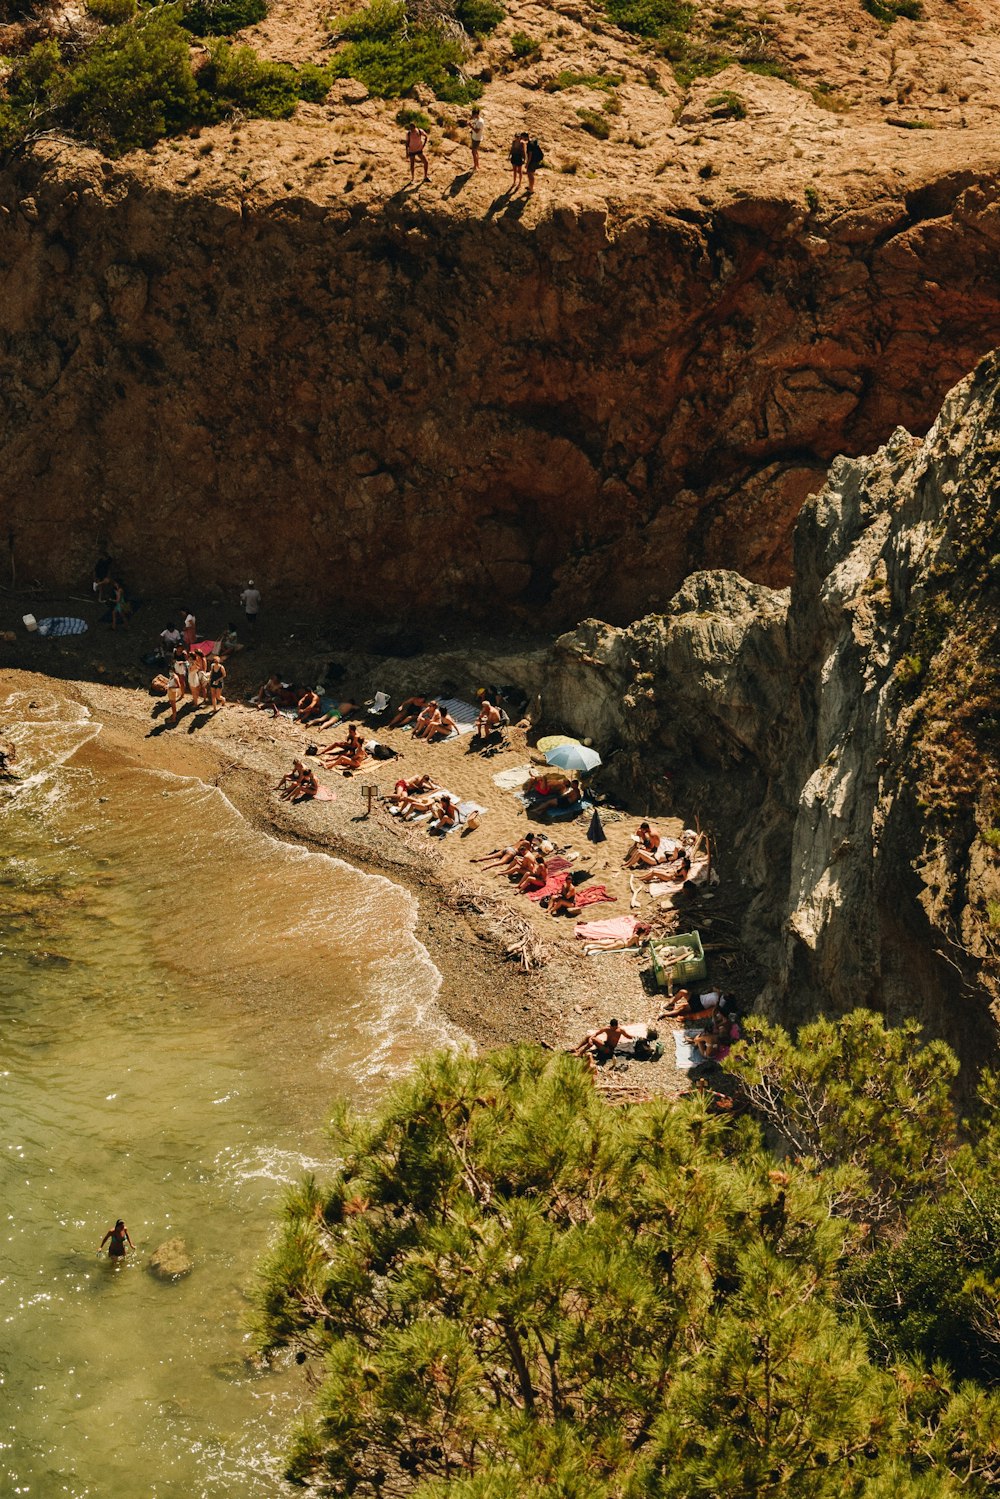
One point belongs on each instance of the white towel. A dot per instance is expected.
(512, 780)
(687, 1056)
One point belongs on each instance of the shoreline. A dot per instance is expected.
(464, 918)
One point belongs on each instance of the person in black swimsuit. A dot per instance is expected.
(119, 1238)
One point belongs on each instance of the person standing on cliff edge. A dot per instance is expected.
(477, 129)
(416, 149)
(250, 599)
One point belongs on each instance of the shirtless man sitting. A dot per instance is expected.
(645, 847)
(308, 706)
(407, 711)
(428, 721)
(487, 722)
(292, 780)
(601, 1043)
(444, 814)
(348, 744)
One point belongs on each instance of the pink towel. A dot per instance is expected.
(207, 647)
(556, 870)
(620, 927)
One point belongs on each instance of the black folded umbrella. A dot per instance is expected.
(596, 832)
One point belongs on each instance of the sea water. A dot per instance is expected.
(181, 999)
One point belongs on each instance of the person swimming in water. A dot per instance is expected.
(119, 1237)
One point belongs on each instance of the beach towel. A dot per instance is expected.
(463, 713)
(697, 875)
(556, 870)
(686, 1055)
(466, 809)
(207, 647)
(324, 794)
(619, 927)
(513, 780)
(563, 814)
(593, 895)
(61, 625)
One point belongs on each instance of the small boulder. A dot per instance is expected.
(170, 1260)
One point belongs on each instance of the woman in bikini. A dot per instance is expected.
(445, 815)
(428, 722)
(216, 682)
(534, 876)
(645, 846)
(119, 1238)
(563, 903)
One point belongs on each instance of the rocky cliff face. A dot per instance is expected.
(843, 737)
(435, 411)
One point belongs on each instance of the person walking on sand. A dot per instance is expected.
(477, 129)
(250, 599)
(416, 149)
(517, 161)
(119, 1239)
(190, 629)
(533, 158)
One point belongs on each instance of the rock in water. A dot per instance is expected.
(170, 1260)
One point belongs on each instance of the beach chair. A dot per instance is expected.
(378, 704)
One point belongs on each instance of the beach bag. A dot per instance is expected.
(384, 752)
(159, 685)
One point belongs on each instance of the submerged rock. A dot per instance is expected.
(170, 1260)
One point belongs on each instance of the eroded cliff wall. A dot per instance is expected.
(842, 739)
(386, 408)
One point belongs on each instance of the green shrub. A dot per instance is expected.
(479, 17)
(771, 68)
(221, 17)
(570, 79)
(891, 10)
(389, 69)
(595, 124)
(381, 21)
(522, 45)
(406, 117)
(991, 837)
(133, 86)
(236, 78)
(651, 18)
(313, 83)
(112, 12)
(813, 199)
(729, 105)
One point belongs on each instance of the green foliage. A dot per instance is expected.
(991, 837)
(857, 1099)
(813, 200)
(936, 1294)
(407, 116)
(522, 45)
(594, 123)
(910, 669)
(570, 79)
(655, 19)
(768, 67)
(891, 10)
(112, 12)
(221, 17)
(479, 17)
(993, 914)
(728, 104)
(133, 86)
(390, 59)
(236, 78)
(517, 1292)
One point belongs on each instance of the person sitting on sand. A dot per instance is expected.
(645, 847)
(267, 693)
(600, 1043)
(717, 1041)
(308, 785)
(569, 796)
(291, 781)
(308, 706)
(534, 877)
(228, 643)
(403, 789)
(563, 903)
(444, 815)
(687, 1006)
(428, 722)
(348, 744)
(351, 758)
(407, 712)
(672, 872)
(446, 727)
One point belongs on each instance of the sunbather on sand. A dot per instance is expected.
(505, 858)
(717, 1041)
(403, 789)
(687, 1006)
(291, 780)
(674, 872)
(563, 903)
(407, 711)
(428, 722)
(534, 876)
(445, 814)
(308, 706)
(445, 728)
(600, 1043)
(349, 743)
(645, 847)
(619, 944)
(336, 715)
(349, 759)
(308, 785)
(267, 693)
(487, 721)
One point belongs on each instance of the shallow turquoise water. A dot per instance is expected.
(180, 1001)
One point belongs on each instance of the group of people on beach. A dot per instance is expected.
(197, 669)
(525, 155)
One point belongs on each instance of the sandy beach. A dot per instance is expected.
(468, 919)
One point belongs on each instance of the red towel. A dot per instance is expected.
(556, 870)
(593, 895)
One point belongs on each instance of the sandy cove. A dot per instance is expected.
(465, 915)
